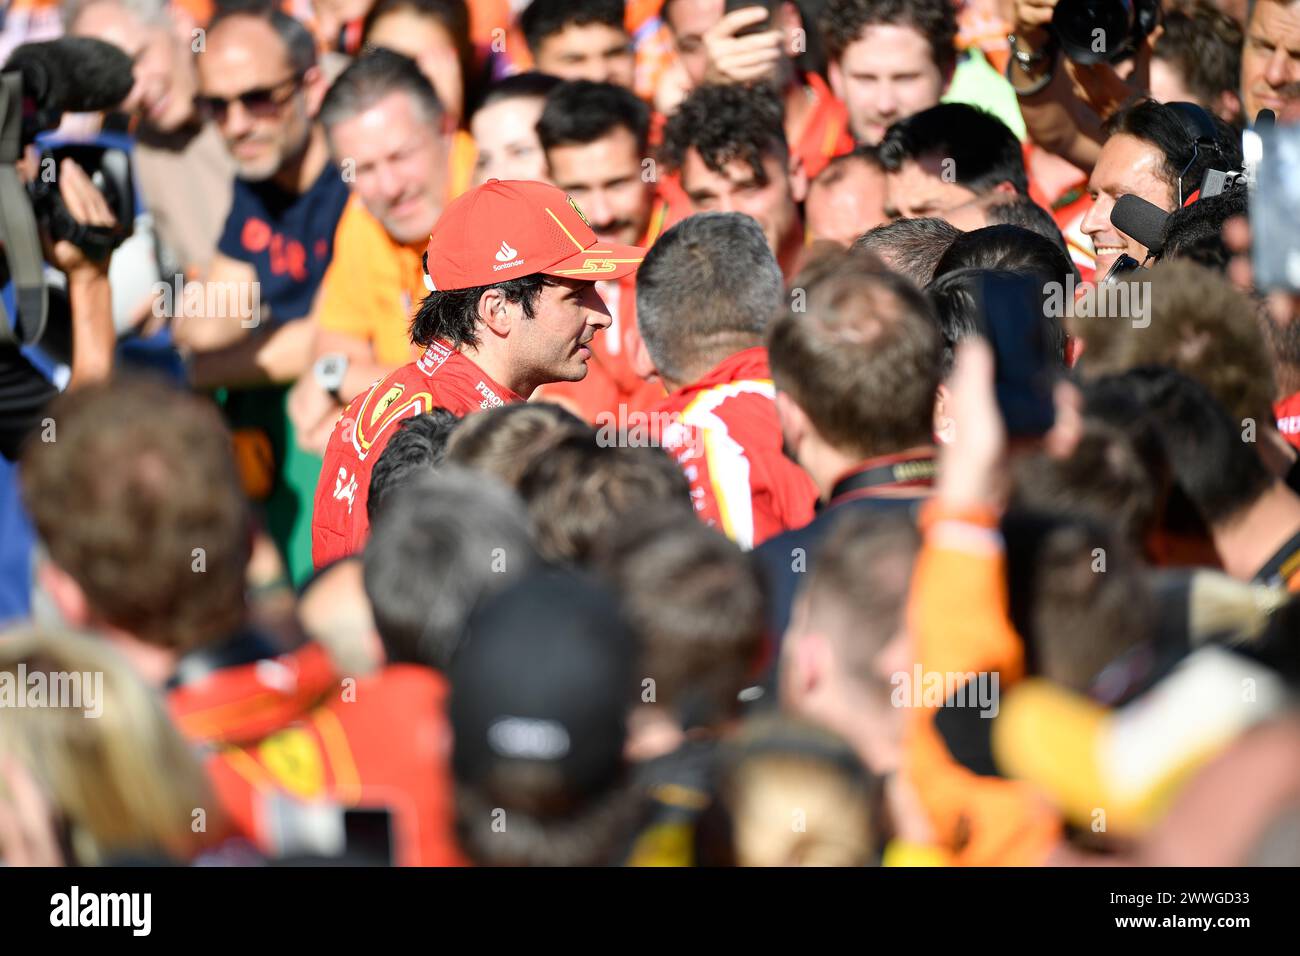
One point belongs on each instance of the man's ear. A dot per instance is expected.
(811, 654)
(494, 312)
(943, 424)
(642, 364)
(66, 594)
(836, 76)
(798, 178)
(789, 21)
(1006, 188)
(946, 78)
(794, 423)
(314, 85)
(1227, 105)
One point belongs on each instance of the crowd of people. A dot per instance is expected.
(576, 432)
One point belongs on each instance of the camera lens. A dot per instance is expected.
(1094, 31)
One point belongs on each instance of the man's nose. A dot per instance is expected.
(1098, 217)
(390, 186)
(1277, 73)
(886, 100)
(596, 206)
(237, 120)
(597, 311)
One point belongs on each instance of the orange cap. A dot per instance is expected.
(513, 228)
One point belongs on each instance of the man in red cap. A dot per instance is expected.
(511, 270)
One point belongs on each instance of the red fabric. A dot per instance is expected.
(1287, 413)
(724, 432)
(826, 134)
(345, 750)
(442, 377)
(235, 705)
(508, 229)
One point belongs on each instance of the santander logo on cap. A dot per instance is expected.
(549, 235)
(507, 256)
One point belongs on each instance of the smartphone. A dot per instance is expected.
(368, 836)
(1122, 267)
(761, 27)
(1275, 211)
(1012, 320)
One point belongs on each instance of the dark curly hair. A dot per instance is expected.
(452, 314)
(843, 21)
(725, 123)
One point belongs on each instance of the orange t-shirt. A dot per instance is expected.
(372, 286)
(958, 612)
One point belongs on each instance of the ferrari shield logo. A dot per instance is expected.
(392, 395)
(578, 211)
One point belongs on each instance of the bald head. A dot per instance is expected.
(273, 56)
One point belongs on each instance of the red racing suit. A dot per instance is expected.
(288, 726)
(723, 431)
(440, 378)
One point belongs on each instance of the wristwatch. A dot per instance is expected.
(329, 372)
(1027, 61)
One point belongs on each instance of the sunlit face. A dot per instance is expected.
(604, 178)
(245, 54)
(923, 187)
(737, 189)
(505, 133)
(1270, 58)
(427, 42)
(399, 161)
(593, 51)
(886, 75)
(688, 20)
(162, 66)
(1126, 165)
(555, 344)
(845, 209)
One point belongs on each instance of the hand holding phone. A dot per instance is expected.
(1025, 358)
(745, 44)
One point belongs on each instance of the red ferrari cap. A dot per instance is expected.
(513, 228)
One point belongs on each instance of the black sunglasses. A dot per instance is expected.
(261, 102)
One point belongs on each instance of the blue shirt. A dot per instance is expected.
(288, 238)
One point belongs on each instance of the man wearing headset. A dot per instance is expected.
(1160, 152)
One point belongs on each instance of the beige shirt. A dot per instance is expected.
(186, 180)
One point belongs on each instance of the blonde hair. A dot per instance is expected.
(124, 781)
(797, 796)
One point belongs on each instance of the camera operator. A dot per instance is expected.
(185, 173)
(1064, 101)
(24, 389)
